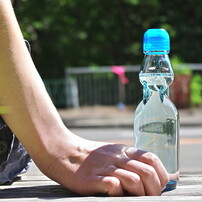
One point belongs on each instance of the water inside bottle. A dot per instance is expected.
(156, 80)
(156, 124)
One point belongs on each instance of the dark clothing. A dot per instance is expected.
(14, 158)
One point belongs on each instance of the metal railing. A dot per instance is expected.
(100, 86)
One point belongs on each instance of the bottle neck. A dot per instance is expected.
(156, 75)
(156, 63)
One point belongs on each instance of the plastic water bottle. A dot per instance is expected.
(156, 122)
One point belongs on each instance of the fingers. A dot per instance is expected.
(119, 182)
(116, 170)
(131, 182)
(152, 160)
(107, 185)
(140, 181)
(147, 174)
(136, 178)
(139, 173)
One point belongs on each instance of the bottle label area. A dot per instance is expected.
(168, 127)
(160, 138)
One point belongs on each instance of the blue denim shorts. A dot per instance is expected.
(14, 159)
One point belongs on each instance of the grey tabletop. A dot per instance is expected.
(34, 186)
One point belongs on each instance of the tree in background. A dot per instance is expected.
(69, 33)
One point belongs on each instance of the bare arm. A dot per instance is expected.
(83, 166)
(31, 110)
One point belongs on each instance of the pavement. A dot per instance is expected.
(112, 116)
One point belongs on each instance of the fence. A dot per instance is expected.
(100, 86)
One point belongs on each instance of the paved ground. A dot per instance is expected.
(100, 116)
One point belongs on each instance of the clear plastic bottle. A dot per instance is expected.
(156, 122)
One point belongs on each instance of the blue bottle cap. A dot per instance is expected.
(157, 40)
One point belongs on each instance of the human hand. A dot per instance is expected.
(112, 169)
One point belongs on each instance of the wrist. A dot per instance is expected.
(62, 157)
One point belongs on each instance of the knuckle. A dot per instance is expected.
(112, 187)
(149, 172)
(111, 183)
(109, 169)
(134, 179)
(135, 186)
(151, 158)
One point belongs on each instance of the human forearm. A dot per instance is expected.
(32, 116)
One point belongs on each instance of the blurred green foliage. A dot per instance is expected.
(180, 67)
(66, 33)
(196, 89)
